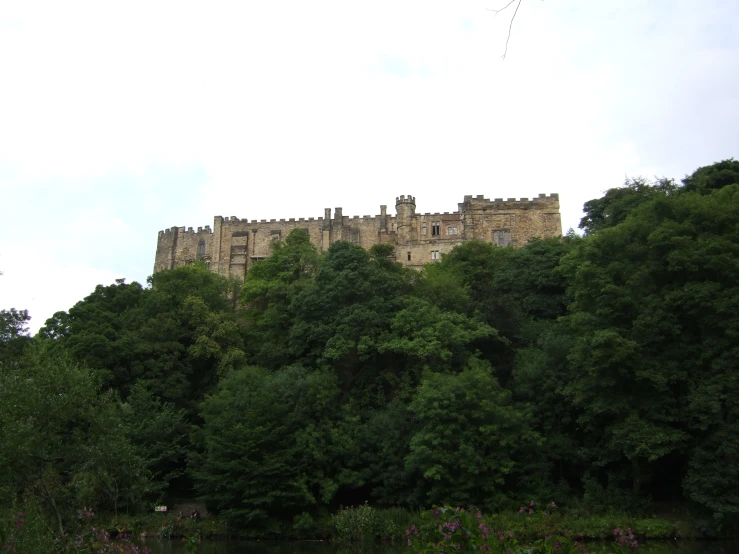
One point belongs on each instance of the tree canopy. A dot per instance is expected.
(582, 368)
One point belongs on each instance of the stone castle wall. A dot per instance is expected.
(233, 244)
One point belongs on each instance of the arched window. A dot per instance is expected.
(201, 249)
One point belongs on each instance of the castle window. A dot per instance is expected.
(409, 256)
(435, 228)
(502, 237)
(435, 255)
(201, 249)
(423, 228)
(452, 230)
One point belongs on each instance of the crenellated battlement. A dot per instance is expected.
(187, 230)
(233, 244)
(545, 197)
(543, 201)
(440, 214)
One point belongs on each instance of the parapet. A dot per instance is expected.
(185, 230)
(405, 200)
(543, 200)
(449, 215)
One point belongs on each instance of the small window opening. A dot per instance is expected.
(435, 228)
(452, 230)
(409, 256)
(201, 249)
(502, 237)
(423, 228)
(435, 255)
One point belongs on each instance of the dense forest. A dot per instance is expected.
(599, 371)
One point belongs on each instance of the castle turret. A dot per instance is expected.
(405, 210)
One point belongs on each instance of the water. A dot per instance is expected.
(318, 547)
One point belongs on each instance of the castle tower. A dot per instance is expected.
(405, 210)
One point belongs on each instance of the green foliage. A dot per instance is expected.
(531, 530)
(268, 292)
(529, 277)
(192, 543)
(618, 203)
(707, 179)
(13, 335)
(387, 434)
(271, 447)
(176, 336)
(158, 432)
(430, 337)
(655, 332)
(600, 371)
(356, 524)
(341, 315)
(25, 528)
(712, 474)
(470, 428)
(365, 523)
(447, 528)
(61, 439)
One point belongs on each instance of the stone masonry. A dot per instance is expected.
(233, 245)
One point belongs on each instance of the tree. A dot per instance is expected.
(428, 337)
(655, 326)
(540, 377)
(343, 311)
(14, 336)
(270, 446)
(617, 203)
(705, 180)
(470, 435)
(159, 433)
(61, 438)
(268, 291)
(175, 336)
(465, 281)
(530, 277)
(387, 434)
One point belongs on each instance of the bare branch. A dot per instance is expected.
(510, 27)
(501, 9)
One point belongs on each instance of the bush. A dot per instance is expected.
(365, 523)
(23, 529)
(355, 524)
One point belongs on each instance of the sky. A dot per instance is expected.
(119, 119)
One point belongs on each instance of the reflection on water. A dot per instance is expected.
(318, 547)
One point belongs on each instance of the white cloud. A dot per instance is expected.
(30, 282)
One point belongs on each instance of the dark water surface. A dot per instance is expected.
(317, 547)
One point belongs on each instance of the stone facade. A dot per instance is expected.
(233, 244)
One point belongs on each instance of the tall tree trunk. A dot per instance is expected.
(636, 474)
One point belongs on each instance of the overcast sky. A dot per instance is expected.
(118, 119)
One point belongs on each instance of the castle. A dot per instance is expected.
(233, 245)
